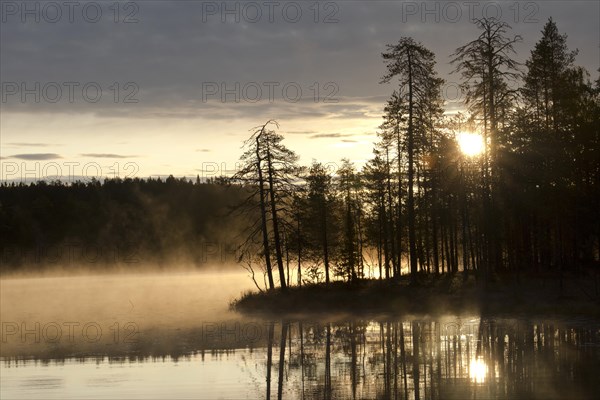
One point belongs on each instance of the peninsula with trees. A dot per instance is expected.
(451, 209)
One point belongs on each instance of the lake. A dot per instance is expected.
(173, 336)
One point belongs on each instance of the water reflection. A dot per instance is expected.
(444, 358)
(431, 359)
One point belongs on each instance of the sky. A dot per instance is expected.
(152, 88)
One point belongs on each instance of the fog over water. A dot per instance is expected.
(159, 335)
(39, 309)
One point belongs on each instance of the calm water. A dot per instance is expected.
(172, 336)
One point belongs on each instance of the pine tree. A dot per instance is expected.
(269, 166)
(413, 65)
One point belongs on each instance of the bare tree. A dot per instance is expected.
(267, 169)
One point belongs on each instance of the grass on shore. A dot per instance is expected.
(430, 295)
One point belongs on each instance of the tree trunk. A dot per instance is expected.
(263, 215)
(275, 220)
(411, 172)
(324, 241)
(391, 214)
(299, 253)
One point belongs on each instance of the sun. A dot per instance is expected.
(471, 144)
(477, 370)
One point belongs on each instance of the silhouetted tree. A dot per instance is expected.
(413, 65)
(320, 215)
(268, 165)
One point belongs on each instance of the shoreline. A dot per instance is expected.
(431, 295)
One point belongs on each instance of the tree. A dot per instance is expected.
(319, 210)
(391, 137)
(375, 174)
(348, 185)
(269, 166)
(556, 130)
(486, 65)
(546, 78)
(413, 65)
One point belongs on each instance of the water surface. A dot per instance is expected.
(172, 336)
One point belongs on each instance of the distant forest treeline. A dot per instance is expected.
(131, 221)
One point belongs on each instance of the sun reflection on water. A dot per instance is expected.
(477, 370)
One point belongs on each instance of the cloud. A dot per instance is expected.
(174, 39)
(32, 144)
(36, 156)
(107, 155)
(336, 61)
(300, 132)
(330, 135)
(203, 150)
(217, 172)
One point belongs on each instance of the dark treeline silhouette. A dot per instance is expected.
(130, 221)
(529, 202)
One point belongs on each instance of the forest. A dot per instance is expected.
(510, 185)
(119, 222)
(431, 200)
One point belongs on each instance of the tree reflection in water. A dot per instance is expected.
(433, 359)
